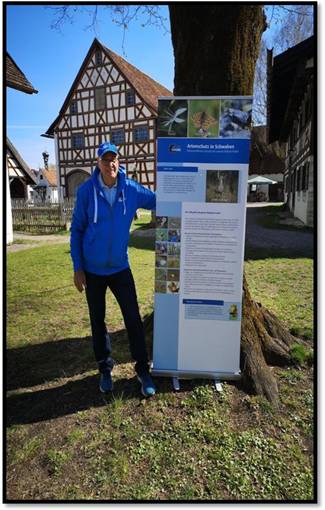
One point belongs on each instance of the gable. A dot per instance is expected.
(17, 167)
(116, 73)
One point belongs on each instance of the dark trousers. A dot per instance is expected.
(122, 286)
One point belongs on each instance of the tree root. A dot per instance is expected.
(264, 341)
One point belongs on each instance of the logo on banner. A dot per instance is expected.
(174, 148)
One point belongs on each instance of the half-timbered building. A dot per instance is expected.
(110, 99)
(21, 177)
(291, 78)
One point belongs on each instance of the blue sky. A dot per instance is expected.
(51, 60)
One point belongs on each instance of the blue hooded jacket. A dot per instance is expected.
(100, 232)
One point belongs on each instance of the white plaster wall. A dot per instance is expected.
(300, 211)
(10, 234)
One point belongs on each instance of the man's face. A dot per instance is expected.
(108, 165)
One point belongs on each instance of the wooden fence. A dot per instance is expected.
(41, 217)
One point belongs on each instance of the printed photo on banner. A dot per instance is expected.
(236, 118)
(174, 236)
(161, 248)
(174, 222)
(161, 221)
(222, 186)
(161, 274)
(233, 312)
(203, 119)
(172, 118)
(174, 249)
(173, 262)
(161, 234)
(172, 287)
(173, 275)
(160, 287)
(161, 261)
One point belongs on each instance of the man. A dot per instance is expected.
(101, 221)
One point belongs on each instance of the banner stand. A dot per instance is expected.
(203, 147)
(216, 377)
(196, 375)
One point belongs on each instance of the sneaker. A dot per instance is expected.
(147, 386)
(105, 382)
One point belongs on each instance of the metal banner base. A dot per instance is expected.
(184, 374)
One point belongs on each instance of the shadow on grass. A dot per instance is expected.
(39, 364)
(51, 361)
(142, 243)
(69, 398)
(80, 395)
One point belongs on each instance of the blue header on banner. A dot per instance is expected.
(210, 150)
(163, 168)
(202, 302)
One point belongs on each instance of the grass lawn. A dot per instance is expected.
(67, 441)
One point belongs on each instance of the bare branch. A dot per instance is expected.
(121, 15)
(293, 11)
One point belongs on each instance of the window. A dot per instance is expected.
(298, 186)
(74, 107)
(305, 176)
(100, 98)
(77, 141)
(98, 58)
(141, 134)
(117, 136)
(129, 97)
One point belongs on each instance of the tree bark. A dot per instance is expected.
(215, 49)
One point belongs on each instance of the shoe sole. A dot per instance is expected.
(105, 391)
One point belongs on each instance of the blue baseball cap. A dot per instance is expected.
(106, 147)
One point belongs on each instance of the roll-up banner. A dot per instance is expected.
(202, 170)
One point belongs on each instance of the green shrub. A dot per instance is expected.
(300, 354)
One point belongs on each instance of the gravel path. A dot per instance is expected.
(35, 241)
(294, 241)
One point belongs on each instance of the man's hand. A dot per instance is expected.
(79, 279)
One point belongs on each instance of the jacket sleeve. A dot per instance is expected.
(78, 227)
(146, 199)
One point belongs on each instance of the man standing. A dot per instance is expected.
(105, 207)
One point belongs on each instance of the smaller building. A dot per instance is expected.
(21, 177)
(15, 79)
(266, 168)
(46, 188)
(291, 121)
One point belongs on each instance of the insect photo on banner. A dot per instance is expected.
(204, 118)
(172, 118)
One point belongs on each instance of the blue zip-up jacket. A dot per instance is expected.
(100, 232)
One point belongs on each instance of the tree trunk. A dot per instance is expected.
(215, 48)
